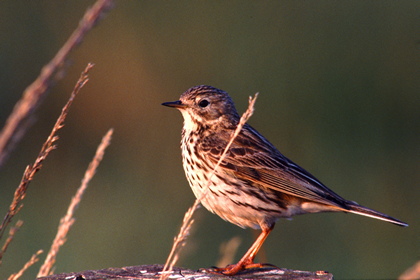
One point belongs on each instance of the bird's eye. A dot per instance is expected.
(203, 103)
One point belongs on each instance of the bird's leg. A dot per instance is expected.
(247, 260)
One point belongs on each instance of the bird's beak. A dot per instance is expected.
(174, 104)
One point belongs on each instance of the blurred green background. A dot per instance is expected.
(339, 95)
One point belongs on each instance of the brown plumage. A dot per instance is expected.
(255, 184)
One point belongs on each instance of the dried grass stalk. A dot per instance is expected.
(228, 250)
(33, 260)
(67, 221)
(48, 146)
(411, 273)
(17, 122)
(9, 239)
(179, 240)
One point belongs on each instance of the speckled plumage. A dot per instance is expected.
(255, 185)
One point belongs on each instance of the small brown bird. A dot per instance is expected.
(255, 184)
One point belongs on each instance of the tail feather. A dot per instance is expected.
(361, 210)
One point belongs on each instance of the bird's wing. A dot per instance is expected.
(252, 158)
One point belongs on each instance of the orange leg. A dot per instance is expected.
(247, 260)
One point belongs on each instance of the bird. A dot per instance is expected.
(254, 185)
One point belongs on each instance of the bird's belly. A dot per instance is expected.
(238, 202)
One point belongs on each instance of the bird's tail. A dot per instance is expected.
(361, 210)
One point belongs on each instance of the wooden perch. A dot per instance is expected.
(154, 272)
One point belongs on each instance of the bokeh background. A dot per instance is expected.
(339, 95)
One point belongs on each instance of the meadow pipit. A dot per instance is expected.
(255, 184)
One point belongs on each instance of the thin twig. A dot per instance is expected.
(67, 221)
(48, 146)
(17, 122)
(179, 240)
(33, 260)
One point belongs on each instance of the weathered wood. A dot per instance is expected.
(153, 272)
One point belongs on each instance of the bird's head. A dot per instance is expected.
(206, 106)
